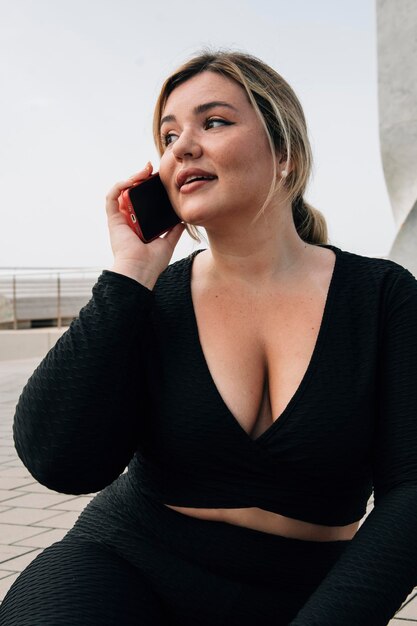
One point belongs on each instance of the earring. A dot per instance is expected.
(284, 173)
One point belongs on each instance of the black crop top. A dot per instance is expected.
(128, 383)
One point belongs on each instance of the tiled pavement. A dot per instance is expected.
(32, 517)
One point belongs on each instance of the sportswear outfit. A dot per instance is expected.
(128, 384)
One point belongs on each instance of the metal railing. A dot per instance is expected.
(46, 297)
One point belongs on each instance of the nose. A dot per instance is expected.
(186, 145)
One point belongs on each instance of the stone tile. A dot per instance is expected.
(12, 533)
(411, 596)
(9, 552)
(62, 520)
(4, 460)
(20, 562)
(6, 583)
(36, 487)
(43, 540)
(402, 622)
(7, 451)
(14, 482)
(25, 516)
(38, 500)
(17, 471)
(409, 611)
(5, 494)
(4, 573)
(13, 463)
(77, 504)
(7, 459)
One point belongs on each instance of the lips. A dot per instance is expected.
(192, 174)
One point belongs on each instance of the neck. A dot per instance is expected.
(268, 251)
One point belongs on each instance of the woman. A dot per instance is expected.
(258, 389)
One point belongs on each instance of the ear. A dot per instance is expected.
(283, 166)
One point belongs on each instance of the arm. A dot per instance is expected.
(77, 419)
(379, 567)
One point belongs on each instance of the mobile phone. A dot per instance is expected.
(148, 209)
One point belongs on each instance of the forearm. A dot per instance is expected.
(76, 423)
(375, 573)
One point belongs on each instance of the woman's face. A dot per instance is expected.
(217, 162)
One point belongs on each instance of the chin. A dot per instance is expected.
(197, 216)
(193, 220)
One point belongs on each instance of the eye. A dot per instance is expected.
(168, 138)
(212, 122)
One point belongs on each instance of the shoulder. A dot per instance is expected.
(390, 281)
(172, 289)
(177, 269)
(370, 267)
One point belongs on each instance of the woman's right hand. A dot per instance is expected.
(143, 262)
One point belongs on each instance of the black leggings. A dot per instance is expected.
(165, 569)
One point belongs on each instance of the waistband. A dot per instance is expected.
(132, 525)
(251, 555)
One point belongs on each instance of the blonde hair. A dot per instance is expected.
(282, 117)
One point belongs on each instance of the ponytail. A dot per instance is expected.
(309, 222)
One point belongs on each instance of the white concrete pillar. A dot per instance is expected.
(397, 95)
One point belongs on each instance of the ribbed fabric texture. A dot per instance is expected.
(78, 583)
(77, 421)
(155, 567)
(130, 376)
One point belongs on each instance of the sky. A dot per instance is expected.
(79, 82)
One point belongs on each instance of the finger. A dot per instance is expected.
(142, 174)
(117, 188)
(112, 203)
(114, 193)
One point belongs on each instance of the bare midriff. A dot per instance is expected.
(274, 523)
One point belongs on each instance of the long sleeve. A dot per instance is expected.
(78, 418)
(379, 567)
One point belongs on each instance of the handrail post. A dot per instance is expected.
(14, 303)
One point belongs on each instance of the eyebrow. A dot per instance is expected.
(201, 108)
